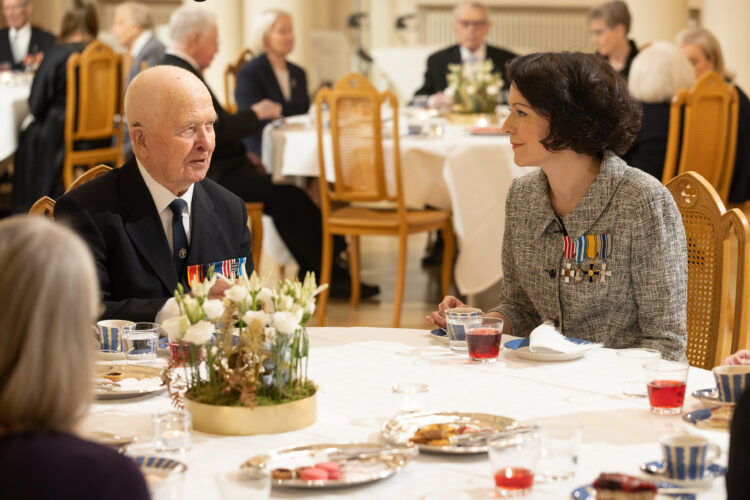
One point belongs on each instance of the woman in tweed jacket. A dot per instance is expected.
(591, 244)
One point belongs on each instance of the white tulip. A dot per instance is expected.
(199, 333)
(214, 309)
(285, 322)
(237, 294)
(175, 327)
(253, 315)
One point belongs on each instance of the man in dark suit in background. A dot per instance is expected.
(148, 221)
(21, 45)
(194, 43)
(471, 24)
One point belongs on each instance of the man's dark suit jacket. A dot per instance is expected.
(116, 215)
(437, 67)
(257, 81)
(229, 128)
(40, 41)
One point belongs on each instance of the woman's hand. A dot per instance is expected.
(741, 357)
(437, 318)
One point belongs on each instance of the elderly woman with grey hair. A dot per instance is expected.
(591, 245)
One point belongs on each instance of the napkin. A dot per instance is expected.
(546, 339)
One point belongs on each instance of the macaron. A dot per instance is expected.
(314, 474)
(332, 468)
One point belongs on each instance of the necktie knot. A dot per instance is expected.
(177, 206)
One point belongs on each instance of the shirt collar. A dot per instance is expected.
(140, 42)
(25, 30)
(162, 196)
(479, 55)
(182, 55)
(589, 209)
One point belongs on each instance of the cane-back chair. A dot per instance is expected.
(88, 175)
(255, 217)
(44, 206)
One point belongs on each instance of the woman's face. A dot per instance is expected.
(697, 58)
(606, 39)
(280, 38)
(527, 129)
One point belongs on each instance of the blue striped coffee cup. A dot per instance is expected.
(110, 332)
(731, 382)
(686, 456)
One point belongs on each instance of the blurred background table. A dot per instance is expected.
(355, 369)
(14, 107)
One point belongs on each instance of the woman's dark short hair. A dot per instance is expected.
(79, 18)
(586, 101)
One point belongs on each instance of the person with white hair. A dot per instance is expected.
(133, 29)
(269, 75)
(657, 73)
(21, 44)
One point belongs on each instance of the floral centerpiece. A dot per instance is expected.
(247, 351)
(473, 87)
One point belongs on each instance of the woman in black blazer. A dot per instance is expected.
(270, 75)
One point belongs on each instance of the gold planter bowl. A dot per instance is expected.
(241, 421)
(471, 119)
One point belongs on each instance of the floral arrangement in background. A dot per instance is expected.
(473, 87)
(265, 363)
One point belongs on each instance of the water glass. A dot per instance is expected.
(409, 397)
(631, 372)
(172, 431)
(244, 484)
(561, 443)
(483, 339)
(666, 386)
(513, 462)
(456, 320)
(141, 342)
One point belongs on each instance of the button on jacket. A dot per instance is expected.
(635, 294)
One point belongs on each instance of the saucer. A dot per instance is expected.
(709, 397)
(440, 334)
(521, 348)
(716, 419)
(713, 471)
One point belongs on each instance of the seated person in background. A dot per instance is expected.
(704, 52)
(658, 72)
(738, 467)
(194, 35)
(269, 75)
(148, 221)
(471, 24)
(132, 28)
(46, 362)
(590, 244)
(741, 357)
(41, 146)
(609, 25)
(22, 45)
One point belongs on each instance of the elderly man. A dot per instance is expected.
(22, 45)
(470, 23)
(609, 25)
(194, 43)
(132, 28)
(150, 221)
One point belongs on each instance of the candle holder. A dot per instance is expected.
(172, 431)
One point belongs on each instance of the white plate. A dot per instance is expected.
(523, 352)
(106, 390)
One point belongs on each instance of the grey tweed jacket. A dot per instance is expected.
(627, 287)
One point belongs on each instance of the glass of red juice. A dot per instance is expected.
(483, 338)
(513, 461)
(666, 386)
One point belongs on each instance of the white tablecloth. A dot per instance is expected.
(467, 174)
(355, 369)
(14, 107)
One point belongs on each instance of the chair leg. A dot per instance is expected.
(325, 275)
(448, 251)
(398, 302)
(354, 268)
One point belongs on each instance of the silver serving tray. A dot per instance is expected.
(400, 429)
(354, 470)
(105, 390)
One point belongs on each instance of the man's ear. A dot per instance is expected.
(139, 142)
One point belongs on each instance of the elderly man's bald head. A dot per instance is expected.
(171, 115)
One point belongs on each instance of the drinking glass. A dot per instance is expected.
(561, 443)
(172, 430)
(456, 320)
(513, 463)
(140, 343)
(483, 339)
(666, 386)
(409, 397)
(631, 371)
(244, 484)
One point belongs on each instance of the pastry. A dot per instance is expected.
(332, 468)
(314, 474)
(282, 473)
(439, 434)
(113, 376)
(623, 487)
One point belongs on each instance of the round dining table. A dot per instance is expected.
(14, 107)
(355, 369)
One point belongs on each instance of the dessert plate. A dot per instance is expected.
(587, 492)
(132, 381)
(717, 418)
(400, 429)
(359, 463)
(655, 469)
(521, 348)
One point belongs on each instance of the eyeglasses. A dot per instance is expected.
(599, 32)
(472, 24)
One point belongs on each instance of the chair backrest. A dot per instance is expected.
(703, 132)
(44, 206)
(88, 175)
(708, 228)
(356, 138)
(230, 78)
(93, 107)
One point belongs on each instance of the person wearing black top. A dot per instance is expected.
(21, 44)
(609, 25)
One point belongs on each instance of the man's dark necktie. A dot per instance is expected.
(179, 238)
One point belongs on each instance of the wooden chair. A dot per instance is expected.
(708, 228)
(703, 132)
(230, 78)
(255, 216)
(93, 108)
(44, 206)
(88, 175)
(356, 136)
